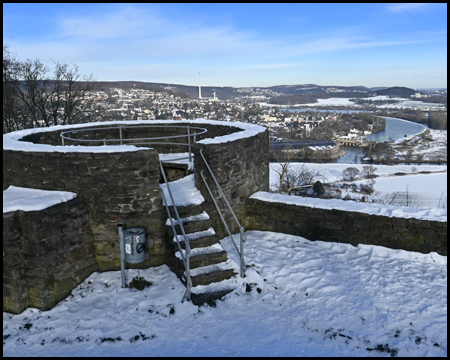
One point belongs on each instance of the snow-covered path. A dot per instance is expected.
(300, 298)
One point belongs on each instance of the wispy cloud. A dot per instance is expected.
(334, 44)
(148, 31)
(398, 8)
(266, 66)
(121, 22)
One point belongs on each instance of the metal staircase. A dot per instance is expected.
(198, 258)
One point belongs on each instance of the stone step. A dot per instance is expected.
(210, 274)
(175, 171)
(215, 276)
(204, 256)
(202, 294)
(186, 211)
(202, 298)
(201, 241)
(190, 227)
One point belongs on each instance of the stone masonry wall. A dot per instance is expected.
(241, 168)
(46, 254)
(346, 226)
(134, 131)
(115, 187)
(120, 187)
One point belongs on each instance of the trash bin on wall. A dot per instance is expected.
(135, 246)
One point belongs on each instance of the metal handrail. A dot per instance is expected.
(149, 140)
(184, 258)
(242, 236)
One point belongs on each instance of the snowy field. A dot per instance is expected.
(431, 189)
(402, 102)
(300, 298)
(429, 149)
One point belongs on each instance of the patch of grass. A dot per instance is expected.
(419, 339)
(139, 283)
(384, 348)
(141, 336)
(108, 339)
(28, 326)
(61, 340)
(50, 281)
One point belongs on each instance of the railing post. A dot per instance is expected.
(184, 258)
(122, 257)
(242, 238)
(104, 142)
(120, 130)
(189, 143)
(62, 139)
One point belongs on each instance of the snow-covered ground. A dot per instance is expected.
(299, 298)
(432, 146)
(333, 102)
(431, 189)
(402, 103)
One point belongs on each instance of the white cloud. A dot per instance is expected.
(397, 8)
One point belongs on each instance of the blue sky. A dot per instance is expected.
(238, 44)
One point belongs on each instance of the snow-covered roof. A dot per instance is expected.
(429, 214)
(11, 140)
(26, 199)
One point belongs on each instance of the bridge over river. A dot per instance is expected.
(277, 145)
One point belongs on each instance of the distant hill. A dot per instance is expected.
(290, 93)
(378, 88)
(397, 91)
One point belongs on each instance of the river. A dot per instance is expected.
(395, 129)
(337, 111)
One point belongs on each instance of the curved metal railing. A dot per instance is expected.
(186, 255)
(190, 136)
(242, 236)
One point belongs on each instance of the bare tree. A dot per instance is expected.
(295, 182)
(351, 173)
(284, 168)
(408, 156)
(442, 203)
(400, 198)
(37, 96)
(11, 110)
(369, 171)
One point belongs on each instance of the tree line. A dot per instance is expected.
(435, 120)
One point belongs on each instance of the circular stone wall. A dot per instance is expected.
(121, 183)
